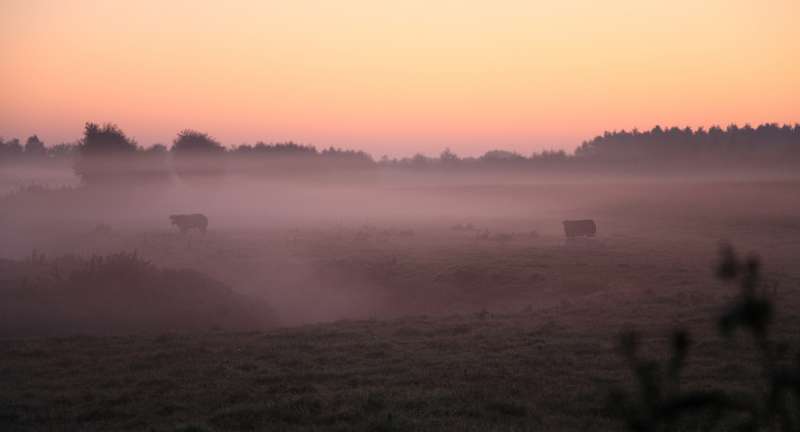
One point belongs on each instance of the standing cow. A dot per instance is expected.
(580, 228)
(185, 222)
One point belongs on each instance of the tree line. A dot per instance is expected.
(34, 148)
(106, 153)
(764, 142)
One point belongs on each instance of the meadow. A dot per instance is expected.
(452, 305)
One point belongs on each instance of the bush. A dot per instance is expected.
(117, 293)
(107, 155)
(662, 404)
(196, 154)
(35, 147)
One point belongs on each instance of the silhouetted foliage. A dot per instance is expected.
(276, 149)
(501, 156)
(119, 292)
(34, 150)
(108, 156)
(101, 151)
(197, 155)
(10, 149)
(290, 159)
(34, 146)
(156, 149)
(682, 149)
(193, 142)
(448, 158)
(417, 162)
(108, 139)
(64, 150)
(550, 156)
(346, 158)
(662, 404)
(765, 143)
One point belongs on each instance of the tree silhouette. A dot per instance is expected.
(347, 158)
(193, 142)
(64, 150)
(35, 147)
(108, 139)
(10, 149)
(156, 149)
(766, 145)
(108, 156)
(196, 155)
(103, 153)
(448, 159)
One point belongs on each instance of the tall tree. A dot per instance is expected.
(34, 146)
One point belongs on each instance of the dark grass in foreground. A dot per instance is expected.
(661, 404)
(506, 373)
(529, 371)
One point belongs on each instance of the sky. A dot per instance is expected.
(395, 77)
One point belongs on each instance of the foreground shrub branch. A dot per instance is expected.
(659, 403)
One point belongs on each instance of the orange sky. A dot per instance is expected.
(416, 75)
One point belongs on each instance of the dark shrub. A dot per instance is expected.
(118, 293)
(108, 156)
(35, 147)
(662, 402)
(196, 155)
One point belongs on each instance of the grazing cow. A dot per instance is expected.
(578, 228)
(185, 222)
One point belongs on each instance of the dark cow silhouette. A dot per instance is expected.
(185, 222)
(578, 228)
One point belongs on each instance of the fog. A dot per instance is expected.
(383, 243)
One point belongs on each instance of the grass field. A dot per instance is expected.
(401, 322)
(549, 369)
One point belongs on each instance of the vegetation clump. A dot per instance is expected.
(663, 403)
(116, 293)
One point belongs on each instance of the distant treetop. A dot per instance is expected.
(769, 146)
(661, 144)
(105, 140)
(34, 146)
(288, 148)
(191, 141)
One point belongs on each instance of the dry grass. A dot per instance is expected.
(447, 332)
(550, 369)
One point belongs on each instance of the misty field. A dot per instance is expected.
(398, 306)
(399, 216)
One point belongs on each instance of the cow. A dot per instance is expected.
(185, 222)
(579, 228)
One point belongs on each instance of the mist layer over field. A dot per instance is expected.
(370, 299)
(382, 244)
